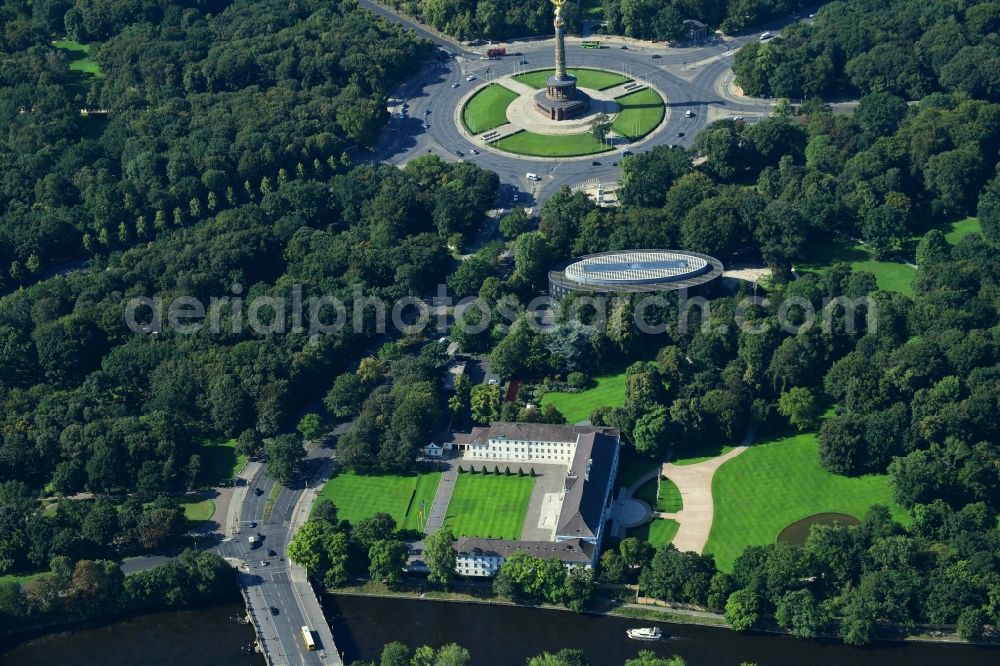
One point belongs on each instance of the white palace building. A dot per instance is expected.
(591, 457)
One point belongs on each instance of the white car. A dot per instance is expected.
(470, 77)
(454, 85)
(426, 126)
(473, 151)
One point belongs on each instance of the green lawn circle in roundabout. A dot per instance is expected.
(640, 112)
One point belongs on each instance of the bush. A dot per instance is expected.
(577, 380)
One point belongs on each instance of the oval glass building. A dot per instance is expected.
(635, 271)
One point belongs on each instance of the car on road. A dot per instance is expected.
(274, 610)
(258, 492)
(426, 126)
(614, 163)
(738, 118)
(454, 85)
(493, 381)
(427, 112)
(522, 62)
(264, 563)
(656, 56)
(595, 163)
(680, 134)
(470, 77)
(624, 47)
(473, 151)
(271, 553)
(689, 113)
(460, 153)
(765, 36)
(626, 152)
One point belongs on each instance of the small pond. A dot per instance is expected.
(797, 532)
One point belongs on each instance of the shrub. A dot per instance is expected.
(577, 380)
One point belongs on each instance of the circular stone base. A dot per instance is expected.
(523, 114)
(561, 109)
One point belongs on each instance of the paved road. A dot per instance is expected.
(688, 76)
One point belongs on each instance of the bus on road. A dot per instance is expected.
(307, 638)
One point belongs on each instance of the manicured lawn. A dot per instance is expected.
(657, 532)
(641, 112)
(199, 511)
(489, 505)
(889, 275)
(359, 496)
(540, 145)
(17, 578)
(669, 499)
(608, 390)
(777, 482)
(956, 231)
(632, 466)
(79, 57)
(219, 462)
(699, 454)
(487, 108)
(594, 79)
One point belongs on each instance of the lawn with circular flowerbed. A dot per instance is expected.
(777, 482)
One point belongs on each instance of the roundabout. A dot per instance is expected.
(504, 114)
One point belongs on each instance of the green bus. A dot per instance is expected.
(591, 45)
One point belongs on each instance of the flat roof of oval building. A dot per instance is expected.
(635, 271)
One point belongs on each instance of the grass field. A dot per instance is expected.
(777, 482)
(890, 275)
(487, 108)
(359, 496)
(219, 462)
(489, 505)
(79, 57)
(595, 79)
(669, 499)
(541, 145)
(641, 112)
(657, 532)
(956, 231)
(608, 390)
(699, 454)
(17, 578)
(199, 511)
(632, 466)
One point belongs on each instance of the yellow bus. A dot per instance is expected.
(307, 637)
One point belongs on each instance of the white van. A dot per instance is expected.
(689, 113)
(532, 176)
(766, 36)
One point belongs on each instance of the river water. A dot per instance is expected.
(508, 635)
(495, 635)
(200, 637)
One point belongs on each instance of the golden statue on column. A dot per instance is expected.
(561, 99)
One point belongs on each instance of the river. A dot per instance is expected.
(200, 637)
(495, 635)
(507, 635)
